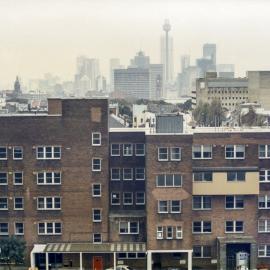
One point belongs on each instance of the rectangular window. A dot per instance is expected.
(264, 176)
(163, 154)
(234, 151)
(264, 250)
(49, 228)
(115, 198)
(201, 227)
(96, 138)
(139, 149)
(96, 164)
(178, 232)
(3, 203)
(4, 228)
(159, 232)
(234, 202)
(140, 198)
(3, 178)
(127, 174)
(3, 153)
(264, 202)
(202, 176)
(96, 213)
(48, 203)
(264, 225)
(169, 232)
(175, 206)
(18, 203)
(140, 174)
(18, 228)
(127, 198)
(128, 227)
(202, 151)
(202, 202)
(202, 251)
(97, 238)
(115, 149)
(17, 152)
(115, 174)
(48, 152)
(234, 226)
(236, 176)
(168, 180)
(49, 178)
(18, 178)
(163, 207)
(175, 153)
(96, 190)
(127, 149)
(264, 151)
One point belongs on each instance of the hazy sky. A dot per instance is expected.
(39, 36)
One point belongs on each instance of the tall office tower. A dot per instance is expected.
(209, 52)
(140, 60)
(185, 62)
(156, 81)
(166, 47)
(17, 88)
(87, 72)
(114, 64)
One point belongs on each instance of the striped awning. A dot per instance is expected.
(95, 248)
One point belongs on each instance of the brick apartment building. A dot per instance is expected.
(89, 198)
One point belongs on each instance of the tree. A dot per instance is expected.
(12, 251)
(252, 119)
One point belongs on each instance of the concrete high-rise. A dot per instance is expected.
(114, 64)
(209, 52)
(166, 47)
(185, 62)
(140, 60)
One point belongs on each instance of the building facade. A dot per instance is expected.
(84, 196)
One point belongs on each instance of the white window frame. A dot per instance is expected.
(266, 198)
(52, 151)
(13, 152)
(136, 198)
(201, 227)
(45, 177)
(93, 138)
(263, 248)
(118, 194)
(119, 171)
(171, 154)
(167, 153)
(128, 179)
(15, 228)
(136, 148)
(234, 202)
(93, 164)
(167, 203)
(159, 234)
(234, 226)
(167, 232)
(19, 209)
(94, 185)
(202, 151)
(202, 208)
(178, 232)
(119, 150)
(202, 253)
(266, 174)
(46, 208)
(7, 204)
(53, 227)
(5, 233)
(95, 242)
(4, 158)
(6, 183)
(17, 184)
(140, 179)
(266, 156)
(166, 182)
(203, 177)
(266, 226)
(129, 153)
(124, 194)
(128, 223)
(171, 206)
(235, 146)
(93, 215)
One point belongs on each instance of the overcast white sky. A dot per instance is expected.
(39, 36)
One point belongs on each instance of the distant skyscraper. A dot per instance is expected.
(114, 64)
(87, 72)
(140, 60)
(209, 52)
(185, 62)
(225, 70)
(166, 55)
(17, 88)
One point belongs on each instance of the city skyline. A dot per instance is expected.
(39, 37)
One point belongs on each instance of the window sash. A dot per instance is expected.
(163, 154)
(3, 153)
(139, 149)
(115, 149)
(3, 178)
(96, 138)
(127, 149)
(17, 152)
